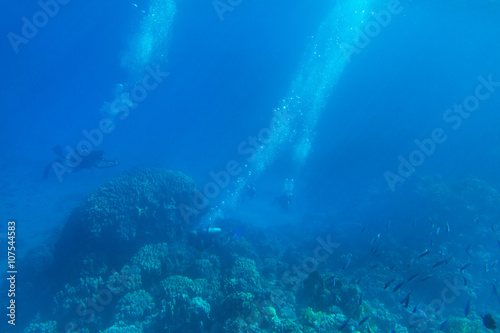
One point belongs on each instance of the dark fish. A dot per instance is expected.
(368, 328)
(343, 325)
(498, 242)
(495, 291)
(467, 249)
(467, 308)
(388, 283)
(416, 308)
(398, 286)
(363, 229)
(465, 280)
(476, 220)
(362, 321)
(427, 277)
(412, 277)
(360, 298)
(375, 239)
(406, 300)
(359, 280)
(374, 266)
(464, 267)
(493, 229)
(392, 267)
(347, 264)
(443, 324)
(439, 263)
(489, 322)
(423, 254)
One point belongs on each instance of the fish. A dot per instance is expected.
(476, 220)
(406, 301)
(447, 227)
(465, 280)
(415, 309)
(346, 265)
(467, 309)
(375, 239)
(368, 329)
(489, 322)
(437, 231)
(423, 254)
(464, 267)
(427, 277)
(363, 229)
(398, 286)
(439, 263)
(360, 298)
(443, 324)
(343, 325)
(493, 229)
(388, 283)
(374, 266)
(467, 249)
(412, 277)
(362, 321)
(495, 291)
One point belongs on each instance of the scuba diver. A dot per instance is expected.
(205, 237)
(84, 160)
(285, 199)
(249, 191)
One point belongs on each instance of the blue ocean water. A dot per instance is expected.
(368, 126)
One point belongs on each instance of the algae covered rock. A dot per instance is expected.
(136, 308)
(45, 327)
(184, 305)
(142, 202)
(152, 258)
(245, 275)
(143, 207)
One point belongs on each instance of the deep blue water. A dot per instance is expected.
(225, 79)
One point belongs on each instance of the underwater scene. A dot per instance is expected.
(219, 166)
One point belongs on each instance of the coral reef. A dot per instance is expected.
(46, 327)
(134, 269)
(136, 309)
(151, 258)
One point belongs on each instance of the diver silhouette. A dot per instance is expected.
(84, 160)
